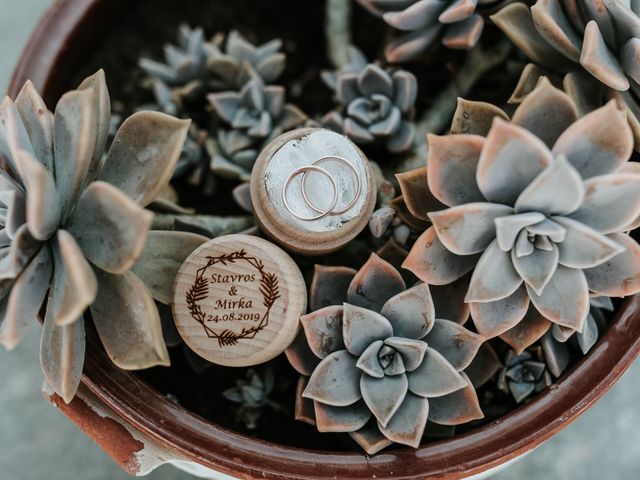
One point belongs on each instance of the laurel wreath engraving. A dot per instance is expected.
(199, 291)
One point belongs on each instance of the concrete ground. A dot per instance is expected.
(38, 443)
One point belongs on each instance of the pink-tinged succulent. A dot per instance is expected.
(602, 36)
(423, 22)
(598, 37)
(379, 362)
(74, 227)
(538, 210)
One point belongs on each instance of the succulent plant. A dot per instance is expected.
(75, 228)
(194, 164)
(538, 210)
(379, 362)
(376, 105)
(601, 37)
(194, 64)
(251, 395)
(186, 61)
(423, 22)
(233, 154)
(524, 374)
(256, 114)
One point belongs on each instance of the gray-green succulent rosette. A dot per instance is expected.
(196, 65)
(376, 105)
(253, 116)
(538, 208)
(74, 229)
(375, 361)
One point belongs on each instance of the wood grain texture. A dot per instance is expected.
(238, 300)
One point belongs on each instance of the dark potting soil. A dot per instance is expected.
(139, 29)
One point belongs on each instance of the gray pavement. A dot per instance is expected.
(38, 443)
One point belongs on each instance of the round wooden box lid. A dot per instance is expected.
(238, 300)
(282, 211)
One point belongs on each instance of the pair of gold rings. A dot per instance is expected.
(331, 210)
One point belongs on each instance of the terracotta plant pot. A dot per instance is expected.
(141, 428)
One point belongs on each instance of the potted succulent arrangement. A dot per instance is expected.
(324, 239)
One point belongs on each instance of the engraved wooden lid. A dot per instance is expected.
(300, 148)
(238, 300)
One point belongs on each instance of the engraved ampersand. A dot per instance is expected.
(217, 302)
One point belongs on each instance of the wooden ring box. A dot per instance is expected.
(282, 156)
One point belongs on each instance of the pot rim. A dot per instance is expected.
(49, 48)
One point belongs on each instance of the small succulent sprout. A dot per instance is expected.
(539, 210)
(233, 154)
(601, 38)
(252, 396)
(376, 105)
(230, 66)
(185, 61)
(381, 220)
(379, 362)
(421, 23)
(75, 228)
(193, 163)
(523, 375)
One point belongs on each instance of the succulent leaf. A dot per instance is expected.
(26, 298)
(128, 322)
(110, 228)
(74, 133)
(143, 155)
(432, 263)
(323, 328)
(37, 122)
(435, 376)
(335, 381)
(62, 349)
(456, 408)
(411, 313)
(74, 283)
(163, 255)
(375, 283)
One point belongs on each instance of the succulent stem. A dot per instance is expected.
(338, 31)
(438, 117)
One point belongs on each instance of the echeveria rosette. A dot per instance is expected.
(538, 210)
(379, 362)
(585, 39)
(376, 106)
(456, 23)
(523, 374)
(75, 225)
(253, 116)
